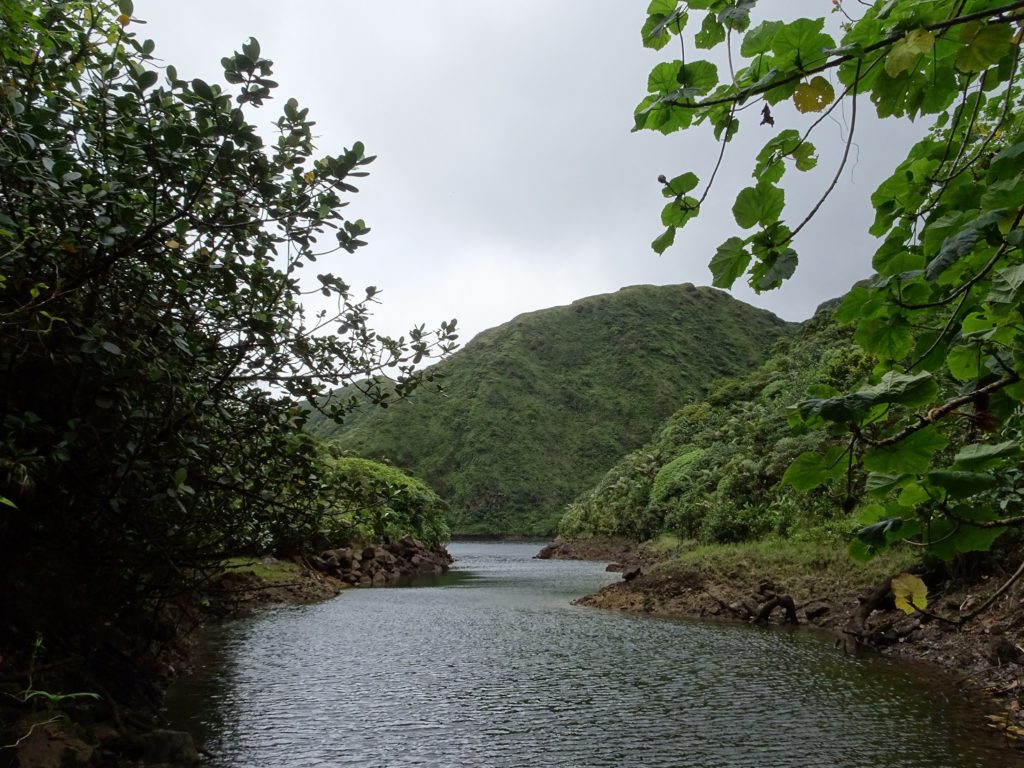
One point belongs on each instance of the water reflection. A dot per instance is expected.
(496, 668)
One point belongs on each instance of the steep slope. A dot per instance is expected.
(536, 410)
(712, 472)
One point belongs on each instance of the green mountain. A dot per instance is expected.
(712, 472)
(535, 411)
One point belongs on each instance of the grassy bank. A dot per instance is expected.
(806, 569)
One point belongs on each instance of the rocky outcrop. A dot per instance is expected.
(399, 562)
(627, 557)
(588, 549)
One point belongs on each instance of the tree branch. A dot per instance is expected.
(938, 413)
(886, 41)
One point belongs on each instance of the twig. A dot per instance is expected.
(842, 164)
(996, 595)
(16, 744)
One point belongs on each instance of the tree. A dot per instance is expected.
(157, 364)
(936, 429)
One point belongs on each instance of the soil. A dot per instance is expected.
(985, 654)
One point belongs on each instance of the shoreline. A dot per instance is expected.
(103, 735)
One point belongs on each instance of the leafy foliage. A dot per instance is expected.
(154, 351)
(536, 410)
(943, 316)
(382, 503)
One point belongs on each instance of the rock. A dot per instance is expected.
(408, 546)
(320, 564)
(161, 746)
(815, 609)
(562, 550)
(615, 568)
(547, 552)
(379, 565)
(1001, 650)
(337, 558)
(52, 745)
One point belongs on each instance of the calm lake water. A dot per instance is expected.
(494, 667)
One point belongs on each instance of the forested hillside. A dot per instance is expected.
(713, 471)
(536, 410)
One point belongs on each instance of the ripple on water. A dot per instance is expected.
(500, 670)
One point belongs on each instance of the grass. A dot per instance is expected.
(802, 568)
(266, 570)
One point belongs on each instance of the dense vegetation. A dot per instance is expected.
(154, 352)
(381, 504)
(936, 426)
(713, 472)
(534, 411)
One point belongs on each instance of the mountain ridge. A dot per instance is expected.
(535, 410)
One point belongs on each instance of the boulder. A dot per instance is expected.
(815, 609)
(161, 746)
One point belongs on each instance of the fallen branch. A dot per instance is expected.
(785, 601)
(995, 596)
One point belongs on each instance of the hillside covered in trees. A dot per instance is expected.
(536, 410)
(712, 472)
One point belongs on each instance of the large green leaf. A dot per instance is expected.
(911, 389)
(729, 262)
(1006, 285)
(913, 454)
(712, 32)
(662, 242)
(759, 39)
(894, 388)
(845, 409)
(678, 212)
(758, 205)
(984, 45)
(959, 485)
(965, 362)
(772, 269)
(801, 43)
(879, 483)
(889, 338)
(905, 53)
(664, 78)
(962, 243)
(1006, 163)
(811, 469)
(701, 76)
(979, 456)
(877, 534)
(680, 185)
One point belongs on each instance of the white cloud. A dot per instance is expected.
(507, 177)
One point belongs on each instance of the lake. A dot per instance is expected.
(493, 666)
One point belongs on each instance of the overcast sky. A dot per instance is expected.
(507, 177)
